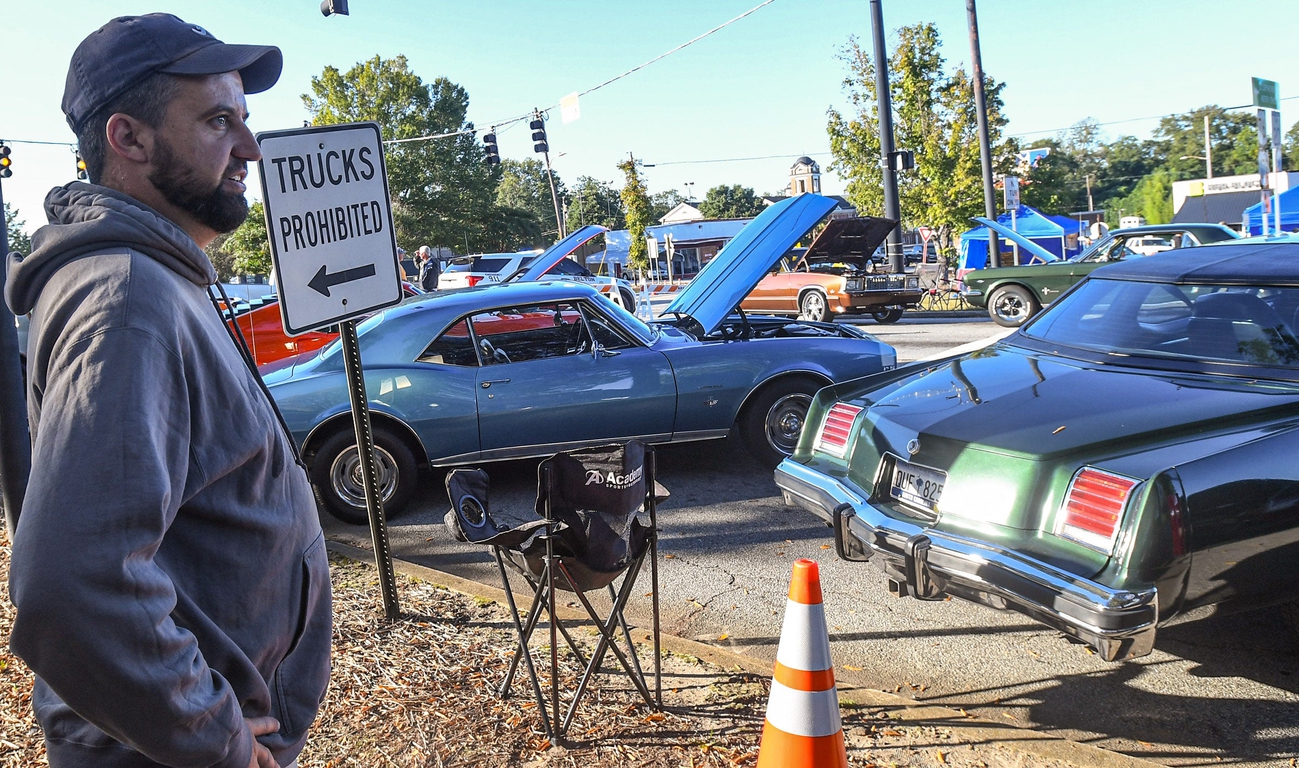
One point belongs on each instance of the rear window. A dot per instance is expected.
(1239, 324)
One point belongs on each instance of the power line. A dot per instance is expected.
(1133, 120)
(734, 159)
(506, 122)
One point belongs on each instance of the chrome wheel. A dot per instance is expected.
(812, 307)
(1011, 306)
(785, 421)
(349, 485)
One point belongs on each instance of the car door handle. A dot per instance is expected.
(488, 384)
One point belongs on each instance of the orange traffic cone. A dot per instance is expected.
(803, 729)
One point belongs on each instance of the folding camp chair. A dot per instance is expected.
(589, 534)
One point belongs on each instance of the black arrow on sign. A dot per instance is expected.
(323, 281)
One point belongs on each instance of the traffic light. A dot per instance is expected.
(493, 152)
(902, 160)
(81, 167)
(5, 162)
(538, 127)
(339, 7)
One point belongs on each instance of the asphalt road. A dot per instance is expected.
(1224, 689)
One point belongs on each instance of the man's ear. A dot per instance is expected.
(130, 139)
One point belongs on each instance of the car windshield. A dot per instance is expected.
(479, 264)
(1230, 323)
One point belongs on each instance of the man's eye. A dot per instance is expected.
(221, 122)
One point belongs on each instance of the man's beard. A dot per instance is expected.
(180, 185)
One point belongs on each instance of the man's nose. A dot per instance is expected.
(246, 147)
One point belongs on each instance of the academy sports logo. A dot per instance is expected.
(614, 481)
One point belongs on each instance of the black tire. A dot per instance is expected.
(772, 421)
(1011, 305)
(335, 472)
(814, 306)
(628, 300)
(888, 315)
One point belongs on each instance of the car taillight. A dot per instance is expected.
(836, 429)
(1093, 508)
(474, 280)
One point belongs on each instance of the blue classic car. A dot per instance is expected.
(1125, 458)
(530, 368)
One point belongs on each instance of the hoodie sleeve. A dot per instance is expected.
(111, 462)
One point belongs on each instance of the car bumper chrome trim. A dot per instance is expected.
(930, 564)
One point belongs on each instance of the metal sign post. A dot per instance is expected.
(329, 221)
(1011, 184)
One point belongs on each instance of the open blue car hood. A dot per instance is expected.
(556, 253)
(734, 272)
(1018, 239)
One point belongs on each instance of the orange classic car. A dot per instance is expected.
(835, 275)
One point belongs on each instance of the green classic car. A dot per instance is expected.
(1014, 294)
(1124, 458)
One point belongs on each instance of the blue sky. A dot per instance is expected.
(759, 87)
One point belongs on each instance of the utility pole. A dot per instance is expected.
(1208, 150)
(985, 144)
(542, 145)
(15, 447)
(1090, 205)
(884, 107)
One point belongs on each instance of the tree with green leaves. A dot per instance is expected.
(662, 202)
(592, 201)
(934, 115)
(731, 202)
(443, 190)
(248, 246)
(18, 239)
(635, 200)
(525, 189)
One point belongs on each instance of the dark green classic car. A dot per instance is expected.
(1127, 456)
(1014, 294)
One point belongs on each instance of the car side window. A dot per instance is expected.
(604, 331)
(536, 332)
(453, 347)
(569, 267)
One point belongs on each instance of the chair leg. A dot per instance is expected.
(626, 633)
(525, 633)
(522, 650)
(651, 479)
(606, 643)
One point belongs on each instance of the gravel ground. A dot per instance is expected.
(420, 692)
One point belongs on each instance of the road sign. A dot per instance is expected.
(1012, 193)
(329, 221)
(925, 233)
(1266, 93)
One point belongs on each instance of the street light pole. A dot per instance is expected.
(1208, 150)
(985, 144)
(884, 106)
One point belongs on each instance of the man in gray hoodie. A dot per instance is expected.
(169, 572)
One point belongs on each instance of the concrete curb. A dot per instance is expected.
(966, 729)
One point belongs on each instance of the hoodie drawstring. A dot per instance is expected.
(237, 338)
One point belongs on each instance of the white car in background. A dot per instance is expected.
(468, 271)
(554, 264)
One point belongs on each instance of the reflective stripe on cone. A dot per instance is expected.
(804, 713)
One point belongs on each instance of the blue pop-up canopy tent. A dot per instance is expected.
(1057, 234)
(1289, 203)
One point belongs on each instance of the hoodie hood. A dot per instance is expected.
(86, 219)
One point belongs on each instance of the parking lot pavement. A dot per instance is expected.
(1225, 688)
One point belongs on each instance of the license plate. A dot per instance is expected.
(916, 485)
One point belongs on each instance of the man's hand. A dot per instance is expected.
(261, 726)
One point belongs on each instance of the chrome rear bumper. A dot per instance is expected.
(929, 564)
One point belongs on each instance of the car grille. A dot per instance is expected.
(883, 283)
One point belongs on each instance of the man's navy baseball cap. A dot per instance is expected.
(128, 49)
